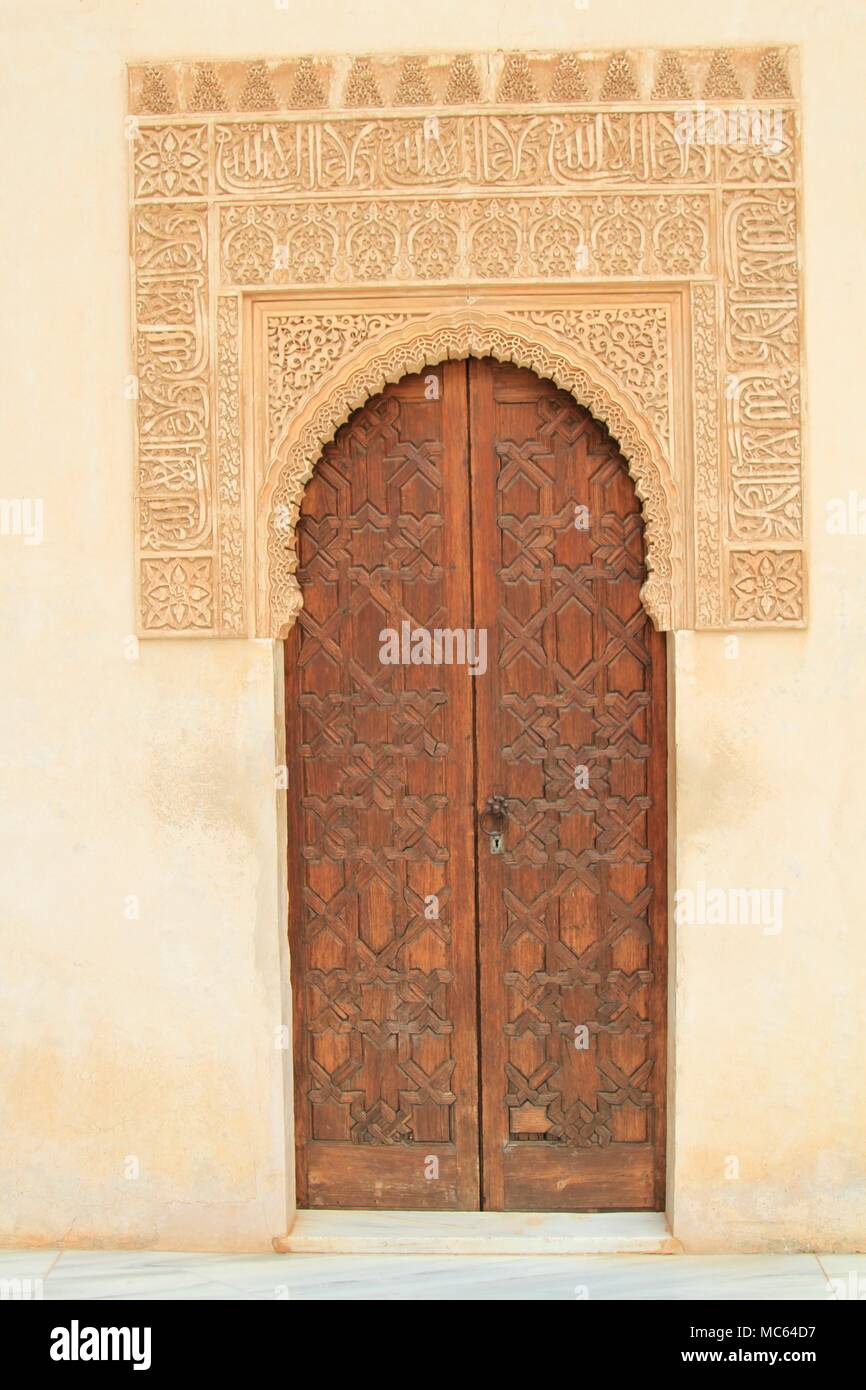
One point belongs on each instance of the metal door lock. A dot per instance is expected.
(492, 822)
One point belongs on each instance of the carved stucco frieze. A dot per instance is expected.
(418, 153)
(638, 236)
(305, 230)
(334, 83)
(707, 482)
(230, 469)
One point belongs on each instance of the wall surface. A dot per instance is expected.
(143, 1096)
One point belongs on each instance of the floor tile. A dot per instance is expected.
(557, 1278)
(147, 1275)
(119, 1274)
(846, 1277)
(24, 1273)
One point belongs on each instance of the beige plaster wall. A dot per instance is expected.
(152, 1039)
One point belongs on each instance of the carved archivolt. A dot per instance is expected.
(623, 223)
(409, 348)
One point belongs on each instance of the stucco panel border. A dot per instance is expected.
(481, 176)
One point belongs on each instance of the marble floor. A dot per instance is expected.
(143, 1275)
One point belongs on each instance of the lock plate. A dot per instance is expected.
(496, 843)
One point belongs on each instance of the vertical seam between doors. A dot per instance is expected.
(470, 464)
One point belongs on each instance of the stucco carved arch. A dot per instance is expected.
(410, 348)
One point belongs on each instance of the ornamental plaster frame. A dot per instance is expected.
(298, 242)
(398, 334)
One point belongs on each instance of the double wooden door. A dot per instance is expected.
(479, 987)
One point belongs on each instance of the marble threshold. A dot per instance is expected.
(478, 1233)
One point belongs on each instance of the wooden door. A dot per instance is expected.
(570, 729)
(381, 816)
(438, 984)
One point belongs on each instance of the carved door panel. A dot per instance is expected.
(570, 731)
(381, 815)
(433, 979)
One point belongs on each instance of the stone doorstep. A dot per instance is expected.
(478, 1233)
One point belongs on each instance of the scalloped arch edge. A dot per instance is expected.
(410, 348)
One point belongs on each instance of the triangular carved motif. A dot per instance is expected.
(569, 83)
(307, 90)
(362, 89)
(207, 94)
(722, 82)
(413, 88)
(155, 96)
(772, 79)
(517, 82)
(671, 82)
(463, 86)
(258, 94)
(619, 83)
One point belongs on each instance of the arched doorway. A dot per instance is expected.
(476, 744)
